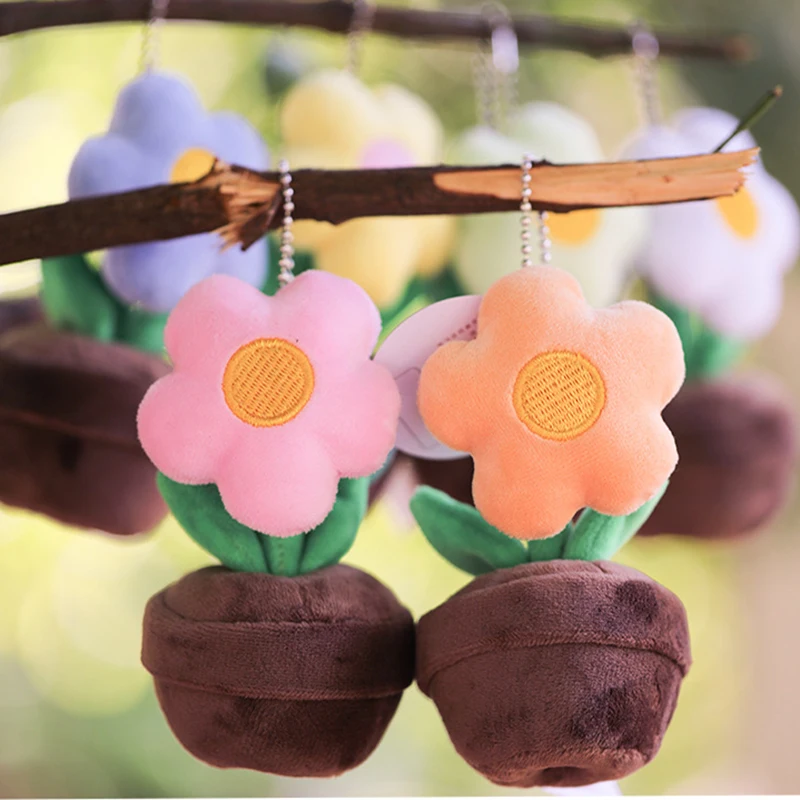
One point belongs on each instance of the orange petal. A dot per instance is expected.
(446, 395)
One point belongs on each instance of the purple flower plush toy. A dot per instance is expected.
(160, 133)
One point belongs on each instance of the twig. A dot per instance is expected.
(241, 204)
(754, 115)
(337, 16)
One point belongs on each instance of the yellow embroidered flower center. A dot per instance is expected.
(268, 382)
(192, 164)
(575, 228)
(559, 395)
(740, 213)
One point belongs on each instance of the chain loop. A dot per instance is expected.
(150, 53)
(645, 57)
(361, 22)
(286, 263)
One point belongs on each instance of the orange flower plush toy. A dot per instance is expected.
(558, 403)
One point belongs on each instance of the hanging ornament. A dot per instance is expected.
(559, 404)
(331, 120)
(265, 434)
(160, 133)
(594, 245)
(723, 259)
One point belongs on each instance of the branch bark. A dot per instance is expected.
(337, 15)
(241, 205)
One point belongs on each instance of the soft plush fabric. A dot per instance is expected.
(596, 246)
(76, 299)
(16, 312)
(462, 536)
(561, 673)
(202, 515)
(293, 676)
(737, 441)
(160, 133)
(332, 120)
(68, 445)
(273, 399)
(725, 258)
(559, 404)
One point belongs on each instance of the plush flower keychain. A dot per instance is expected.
(716, 268)
(265, 434)
(595, 245)
(572, 663)
(332, 120)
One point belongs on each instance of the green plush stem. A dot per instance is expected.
(462, 536)
(551, 548)
(75, 298)
(706, 352)
(598, 537)
(201, 513)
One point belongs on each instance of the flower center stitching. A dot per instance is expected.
(740, 213)
(192, 164)
(575, 228)
(559, 395)
(268, 382)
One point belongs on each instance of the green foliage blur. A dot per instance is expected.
(78, 717)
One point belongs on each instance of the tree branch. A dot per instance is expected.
(241, 205)
(336, 16)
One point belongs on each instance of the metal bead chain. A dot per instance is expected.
(286, 263)
(361, 22)
(149, 55)
(526, 220)
(645, 56)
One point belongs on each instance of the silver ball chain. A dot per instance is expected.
(645, 56)
(361, 22)
(526, 220)
(149, 55)
(286, 263)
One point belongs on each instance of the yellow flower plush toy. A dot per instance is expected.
(596, 245)
(331, 120)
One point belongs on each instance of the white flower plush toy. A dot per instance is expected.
(723, 259)
(597, 245)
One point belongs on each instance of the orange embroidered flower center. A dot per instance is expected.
(559, 395)
(575, 228)
(740, 213)
(192, 164)
(268, 382)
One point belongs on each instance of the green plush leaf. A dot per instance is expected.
(328, 543)
(200, 512)
(444, 286)
(598, 537)
(462, 536)
(141, 329)
(712, 353)
(76, 299)
(549, 549)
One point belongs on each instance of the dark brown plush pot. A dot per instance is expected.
(292, 676)
(557, 673)
(738, 448)
(20, 311)
(68, 443)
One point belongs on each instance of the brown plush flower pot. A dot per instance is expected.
(738, 448)
(68, 442)
(19, 311)
(294, 676)
(555, 673)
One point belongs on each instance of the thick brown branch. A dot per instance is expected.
(241, 204)
(336, 16)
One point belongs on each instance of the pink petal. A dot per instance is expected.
(356, 419)
(185, 429)
(212, 320)
(330, 317)
(278, 481)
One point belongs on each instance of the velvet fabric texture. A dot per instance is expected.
(737, 442)
(293, 676)
(558, 673)
(68, 445)
(558, 403)
(20, 311)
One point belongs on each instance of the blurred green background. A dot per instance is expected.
(78, 717)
